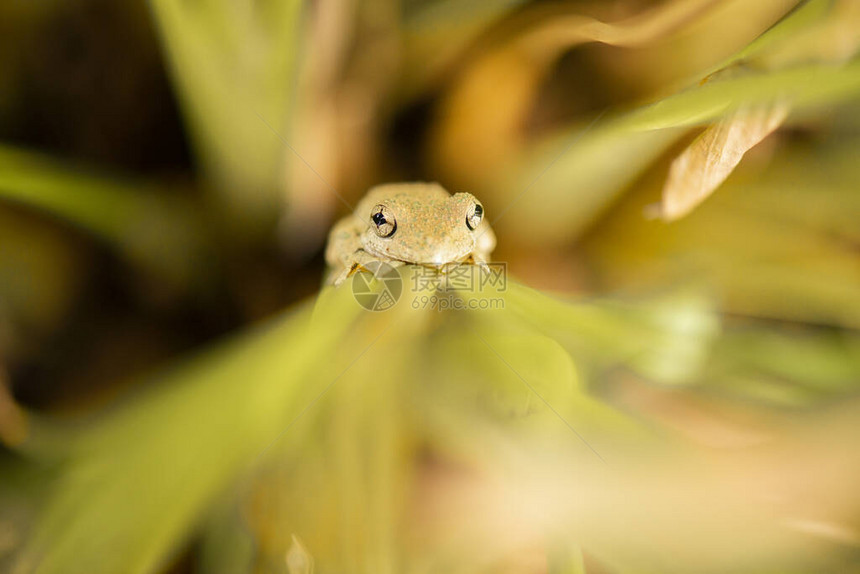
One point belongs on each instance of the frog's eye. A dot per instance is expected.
(474, 216)
(384, 221)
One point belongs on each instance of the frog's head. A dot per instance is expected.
(420, 223)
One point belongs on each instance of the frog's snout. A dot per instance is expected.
(450, 256)
(445, 257)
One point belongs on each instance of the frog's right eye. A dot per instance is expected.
(383, 220)
(474, 216)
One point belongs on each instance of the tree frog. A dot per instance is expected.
(409, 223)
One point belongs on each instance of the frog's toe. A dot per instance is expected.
(335, 278)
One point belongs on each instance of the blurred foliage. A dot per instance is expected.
(161, 234)
(671, 373)
(233, 64)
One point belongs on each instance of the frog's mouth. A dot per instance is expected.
(467, 259)
(444, 263)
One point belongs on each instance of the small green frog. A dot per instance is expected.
(409, 223)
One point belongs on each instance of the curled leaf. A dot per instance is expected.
(711, 158)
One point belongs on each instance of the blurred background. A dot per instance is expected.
(675, 181)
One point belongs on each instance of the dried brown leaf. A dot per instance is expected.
(711, 158)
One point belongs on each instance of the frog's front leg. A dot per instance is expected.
(358, 262)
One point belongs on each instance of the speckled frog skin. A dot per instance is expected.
(409, 223)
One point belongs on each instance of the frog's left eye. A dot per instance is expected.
(383, 220)
(474, 216)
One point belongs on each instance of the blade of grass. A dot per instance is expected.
(159, 233)
(231, 62)
(137, 480)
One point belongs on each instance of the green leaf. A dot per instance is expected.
(801, 18)
(234, 65)
(135, 481)
(158, 232)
